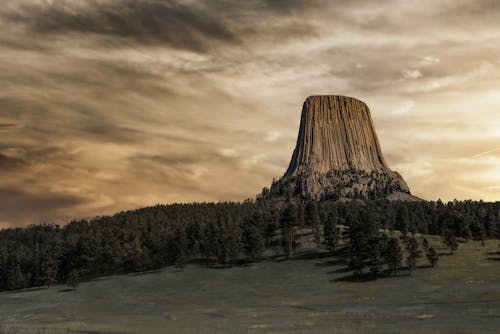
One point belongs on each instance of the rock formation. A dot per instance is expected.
(338, 156)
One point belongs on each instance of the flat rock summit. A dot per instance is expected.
(338, 156)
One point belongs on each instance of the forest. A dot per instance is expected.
(229, 233)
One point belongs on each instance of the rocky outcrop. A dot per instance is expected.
(338, 156)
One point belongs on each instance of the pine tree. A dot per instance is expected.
(134, 255)
(478, 231)
(180, 250)
(312, 220)
(425, 245)
(432, 256)
(289, 222)
(360, 235)
(210, 245)
(230, 241)
(331, 233)
(49, 269)
(376, 255)
(413, 253)
(253, 239)
(394, 255)
(74, 278)
(403, 220)
(16, 277)
(450, 240)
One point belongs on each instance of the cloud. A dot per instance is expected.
(411, 74)
(22, 207)
(117, 104)
(273, 136)
(486, 152)
(407, 106)
(429, 60)
(7, 162)
(144, 22)
(7, 126)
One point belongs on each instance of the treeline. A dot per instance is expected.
(215, 233)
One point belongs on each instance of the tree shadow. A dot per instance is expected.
(333, 262)
(198, 261)
(340, 270)
(26, 290)
(277, 258)
(245, 262)
(366, 277)
(220, 266)
(145, 272)
(493, 258)
(492, 253)
(311, 255)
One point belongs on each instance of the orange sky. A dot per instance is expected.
(112, 105)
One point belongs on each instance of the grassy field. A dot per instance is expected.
(308, 294)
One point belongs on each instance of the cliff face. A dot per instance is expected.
(338, 155)
(336, 133)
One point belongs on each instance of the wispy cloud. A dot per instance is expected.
(411, 74)
(113, 104)
(404, 108)
(486, 152)
(429, 60)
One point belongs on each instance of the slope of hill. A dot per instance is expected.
(310, 293)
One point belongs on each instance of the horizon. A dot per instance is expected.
(114, 105)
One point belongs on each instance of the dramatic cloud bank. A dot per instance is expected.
(110, 105)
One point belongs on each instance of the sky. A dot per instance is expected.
(110, 105)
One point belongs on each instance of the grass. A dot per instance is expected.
(303, 295)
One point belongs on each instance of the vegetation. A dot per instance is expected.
(432, 256)
(413, 253)
(331, 233)
(450, 240)
(394, 255)
(224, 234)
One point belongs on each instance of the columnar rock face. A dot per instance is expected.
(338, 155)
(336, 133)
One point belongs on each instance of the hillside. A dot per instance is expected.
(309, 293)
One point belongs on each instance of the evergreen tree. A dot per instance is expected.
(360, 235)
(210, 245)
(403, 220)
(74, 278)
(394, 255)
(376, 255)
(312, 220)
(289, 222)
(253, 239)
(478, 231)
(450, 240)
(413, 253)
(432, 256)
(230, 241)
(425, 245)
(180, 247)
(134, 255)
(331, 233)
(49, 269)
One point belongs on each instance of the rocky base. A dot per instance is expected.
(341, 184)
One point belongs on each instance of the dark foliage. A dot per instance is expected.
(224, 234)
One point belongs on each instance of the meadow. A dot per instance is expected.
(310, 293)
